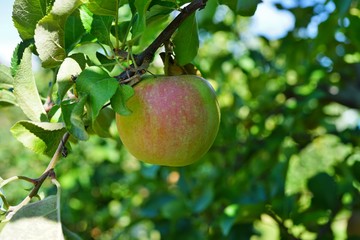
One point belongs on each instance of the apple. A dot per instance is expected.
(174, 120)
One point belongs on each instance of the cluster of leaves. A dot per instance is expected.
(284, 165)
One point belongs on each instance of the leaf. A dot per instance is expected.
(74, 30)
(140, 22)
(49, 33)
(242, 7)
(64, 80)
(103, 122)
(103, 7)
(204, 200)
(121, 96)
(6, 80)
(323, 199)
(86, 17)
(186, 41)
(7, 98)
(40, 137)
(26, 14)
(17, 55)
(100, 28)
(95, 83)
(25, 90)
(39, 220)
(73, 118)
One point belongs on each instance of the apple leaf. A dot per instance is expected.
(140, 19)
(26, 14)
(74, 30)
(67, 69)
(73, 118)
(118, 101)
(38, 220)
(242, 7)
(6, 80)
(49, 33)
(96, 83)
(18, 54)
(186, 41)
(40, 137)
(7, 97)
(103, 121)
(86, 17)
(25, 90)
(100, 28)
(103, 7)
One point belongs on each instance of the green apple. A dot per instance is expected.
(174, 120)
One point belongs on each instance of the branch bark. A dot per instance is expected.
(143, 59)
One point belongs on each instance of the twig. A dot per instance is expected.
(49, 172)
(58, 152)
(143, 59)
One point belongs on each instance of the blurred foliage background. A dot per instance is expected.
(286, 161)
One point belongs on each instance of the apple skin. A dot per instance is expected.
(174, 120)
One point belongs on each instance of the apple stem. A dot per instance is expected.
(143, 59)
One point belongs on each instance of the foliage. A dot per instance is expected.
(285, 163)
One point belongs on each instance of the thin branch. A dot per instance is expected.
(58, 152)
(143, 59)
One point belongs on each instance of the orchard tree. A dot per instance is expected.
(123, 81)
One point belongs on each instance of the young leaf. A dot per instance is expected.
(39, 220)
(40, 137)
(64, 80)
(25, 90)
(73, 118)
(100, 28)
(118, 101)
(242, 7)
(49, 33)
(186, 41)
(26, 14)
(95, 83)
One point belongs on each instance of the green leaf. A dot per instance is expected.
(86, 17)
(40, 137)
(100, 28)
(25, 90)
(103, 7)
(204, 200)
(26, 14)
(74, 30)
(247, 7)
(6, 80)
(64, 80)
(7, 98)
(49, 33)
(103, 122)
(39, 220)
(140, 19)
(18, 53)
(73, 118)
(118, 101)
(95, 83)
(323, 199)
(186, 41)
(242, 7)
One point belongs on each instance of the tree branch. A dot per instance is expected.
(143, 59)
